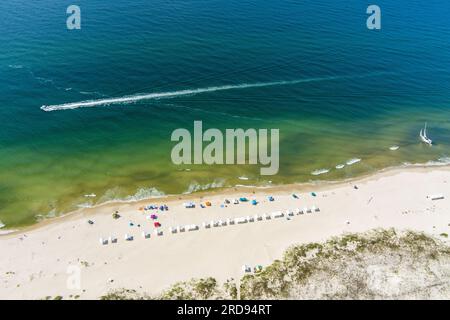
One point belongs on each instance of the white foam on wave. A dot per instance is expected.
(194, 187)
(85, 205)
(171, 94)
(353, 161)
(319, 172)
(443, 161)
(116, 195)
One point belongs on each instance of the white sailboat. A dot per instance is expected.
(423, 136)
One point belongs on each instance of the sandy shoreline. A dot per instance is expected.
(224, 191)
(36, 259)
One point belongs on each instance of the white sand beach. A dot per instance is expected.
(35, 261)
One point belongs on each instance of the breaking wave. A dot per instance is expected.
(194, 187)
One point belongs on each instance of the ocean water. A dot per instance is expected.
(336, 90)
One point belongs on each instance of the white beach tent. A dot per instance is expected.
(277, 214)
(173, 229)
(240, 220)
(436, 197)
(145, 235)
(103, 241)
(246, 268)
(192, 227)
(128, 237)
(112, 239)
(189, 205)
(289, 213)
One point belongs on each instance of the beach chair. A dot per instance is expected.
(128, 237)
(289, 213)
(246, 268)
(277, 214)
(103, 241)
(436, 197)
(145, 235)
(240, 220)
(189, 205)
(192, 227)
(112, 239)
(158, 232)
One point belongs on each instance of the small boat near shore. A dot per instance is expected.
(424, 137)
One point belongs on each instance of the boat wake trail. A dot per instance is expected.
(172, 94)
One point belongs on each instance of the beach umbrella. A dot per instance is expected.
(243, 199)
(254, 202)
(208, 203)
(157, 224)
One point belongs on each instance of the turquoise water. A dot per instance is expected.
(342, 92)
